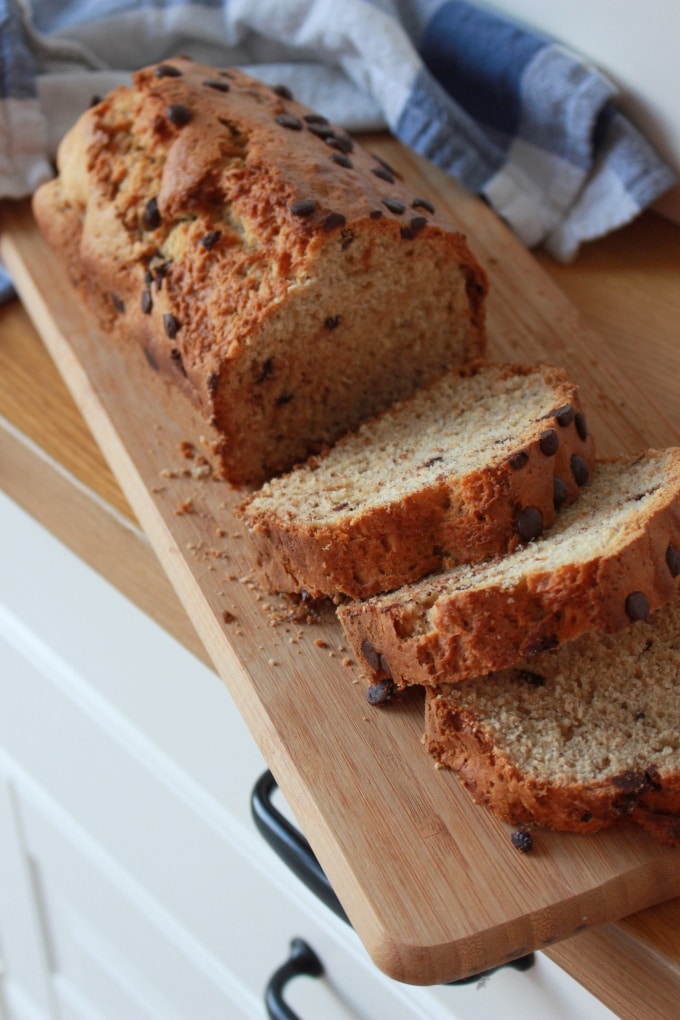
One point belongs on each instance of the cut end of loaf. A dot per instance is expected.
(576, 739)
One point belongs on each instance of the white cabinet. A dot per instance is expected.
(133, 884)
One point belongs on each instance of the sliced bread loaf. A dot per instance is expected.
(575, 739)
(610, 559)
(468, 468)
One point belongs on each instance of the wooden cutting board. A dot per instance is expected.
(430, 881)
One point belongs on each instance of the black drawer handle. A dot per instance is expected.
(289, 843)
(302, 960)
(294, 850)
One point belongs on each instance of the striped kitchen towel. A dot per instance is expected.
(516, 117)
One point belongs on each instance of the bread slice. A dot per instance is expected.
(468, 468)
(281, 274)
(575, 739)
(611, 558)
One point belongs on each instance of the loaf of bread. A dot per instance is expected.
(611, 558)
(287, 278)
(575, 739)
(472, 465)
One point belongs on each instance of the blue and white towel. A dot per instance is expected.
(516, 117)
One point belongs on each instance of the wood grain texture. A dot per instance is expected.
(430, 882)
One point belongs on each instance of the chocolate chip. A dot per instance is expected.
(209, 240)
(266, 370)
(371, 656)
(150, 358)
(395, 205)
(376, 214)
(560, 493)
(342, 160)
(219, 86)
(303, 207)
(333, 220)
(95, 101)
(333, 321)
(522, 840)
(383, 174)
(177, 114)
(422, 203)
(527, 677)
(171, 326)
(283, 91)
(544, 643)
(342, 142)
(385, 164)
(416, 225)
(160, 271)
(320, 130)
(284, 399)
(549, 442)
(177, 358)
(564, 415)
(213, 381)
(581, 426)
(381, 692)
(146, 302)
(433, 460)
(118, 304)
(633, 781)
(637, 606)
(151, 217)
(315, 118)
(673, 560)
(518, 460)
(530, 523)
(287, 120)
(339, 506)
(167, 71)
(579, 469)
(347, 238)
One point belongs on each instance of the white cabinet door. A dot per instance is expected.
(133, 884)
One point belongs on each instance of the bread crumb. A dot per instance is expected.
(187, 507)
(227, 616)
(320, 643)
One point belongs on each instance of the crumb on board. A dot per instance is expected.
(185, 507)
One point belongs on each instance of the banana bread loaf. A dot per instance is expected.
(286, 277)
(469, 467)
(575, 739)
(611, 558)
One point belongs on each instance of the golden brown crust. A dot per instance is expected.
(233, 233)
(455, 519)
(486, 628)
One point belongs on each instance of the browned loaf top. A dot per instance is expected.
(286, 277)
(612, 557)
(575, 739)
(467, 468)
